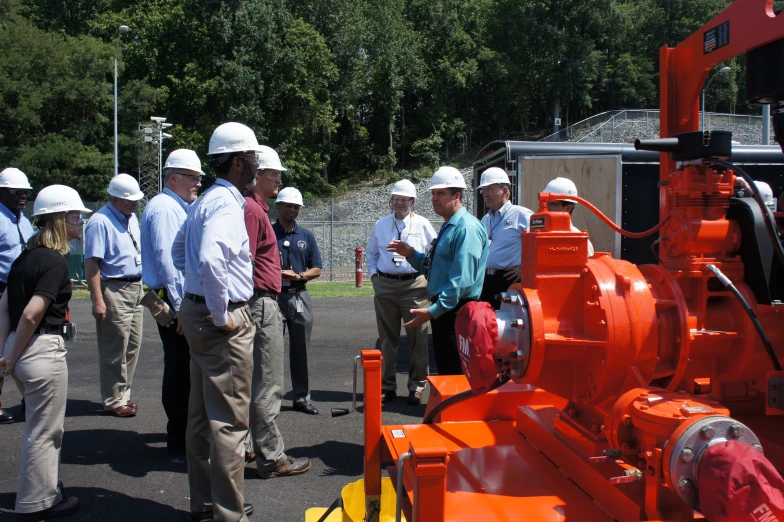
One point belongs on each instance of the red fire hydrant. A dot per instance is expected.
(358, 260)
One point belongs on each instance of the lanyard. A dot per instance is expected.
(128, 229)
(490, 233)
(400, 230)
(21, 237)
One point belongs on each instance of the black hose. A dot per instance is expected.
(460, 397)
(757, 325)
(769, 220)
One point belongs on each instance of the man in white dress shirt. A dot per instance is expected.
(212, 250)
(504, 223)
(399, 288)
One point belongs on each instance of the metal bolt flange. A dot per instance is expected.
(686, 486)
(707, 433)
(758, 447)
(687, 455)
(735, 431)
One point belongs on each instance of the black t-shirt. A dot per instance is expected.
(44, 272)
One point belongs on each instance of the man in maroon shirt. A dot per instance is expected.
(267, 382)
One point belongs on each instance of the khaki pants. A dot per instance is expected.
(393, 300)
(221, 364)
(42, 373)
(119, 340)
(267, 385)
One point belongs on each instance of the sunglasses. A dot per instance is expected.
(20, 192)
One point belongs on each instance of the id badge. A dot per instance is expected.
(398, 259)
(138, 259)
(300, 306)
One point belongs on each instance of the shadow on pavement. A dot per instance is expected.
(103, 504)
(340, 459)
(83, 408)
(126, 452)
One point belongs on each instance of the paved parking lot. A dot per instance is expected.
(121, 471)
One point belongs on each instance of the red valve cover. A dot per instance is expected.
(737, 483)
(477, 335)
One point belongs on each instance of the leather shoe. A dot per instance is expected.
(132, 404)
(122, 411)
(292, 466)
(207, 515)
(305, 407)
(67, 506)
(6, 417)
(415, 397)
(387, 395)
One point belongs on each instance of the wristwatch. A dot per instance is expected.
(301, 275)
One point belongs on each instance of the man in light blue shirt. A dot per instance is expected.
(15, 230)
(113, 269)
(454, 266)
(212, 250)
(162, 219)
(504, 223)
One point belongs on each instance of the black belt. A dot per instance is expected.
(133, 279)
(51, 330)
(293, 289)
(260, 294)
(200, 299)
(399, 277)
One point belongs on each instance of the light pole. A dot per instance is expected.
(122, 29)
(722, 70)
(161, 136)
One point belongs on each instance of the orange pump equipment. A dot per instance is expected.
(617, 391)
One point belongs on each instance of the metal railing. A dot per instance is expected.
(605, 126)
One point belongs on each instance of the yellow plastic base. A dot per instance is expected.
(354, 504)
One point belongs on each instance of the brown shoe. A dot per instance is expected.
(415, 397)
(387, 395)
(122, 411)
(250, 457)
(133, 405)
(67, 506)
(292, 466)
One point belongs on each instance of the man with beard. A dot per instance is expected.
(213, 252)
(162, 218)
(15, 230)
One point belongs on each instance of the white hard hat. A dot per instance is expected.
(185, 159)
(232, 137)
(404, 188)
(289, 195)
(269, 159)
(562, 186)
(447, 177)
(125, 187)
(493, 176)
(14, 178)
(767, 194)
(57, 198)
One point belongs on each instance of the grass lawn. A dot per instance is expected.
(316, 290)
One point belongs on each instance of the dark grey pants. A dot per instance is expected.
(299, 326)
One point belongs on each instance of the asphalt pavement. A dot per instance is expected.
(120, 469)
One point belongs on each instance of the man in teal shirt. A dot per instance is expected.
(454, 266)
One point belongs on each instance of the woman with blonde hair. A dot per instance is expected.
(33, 327)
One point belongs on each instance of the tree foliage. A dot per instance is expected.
(343, 89)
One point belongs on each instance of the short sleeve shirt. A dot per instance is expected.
(44, 272)
(302, 251)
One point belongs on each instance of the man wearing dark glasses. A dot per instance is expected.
(15, 230)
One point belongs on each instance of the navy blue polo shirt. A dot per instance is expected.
(302, 251)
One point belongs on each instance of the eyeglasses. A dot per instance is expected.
(20, 192)
(74, 220)
(193, 178)
(254, 160)
(274, 174)
(401, 200)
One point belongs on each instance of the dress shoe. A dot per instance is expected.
(415, 397)
(292, 466)
(132, 404)
(207, 515)
(6, 417)
(122, 411)
(387, 395)
(67, 506)
(305, 407)
(250, 456)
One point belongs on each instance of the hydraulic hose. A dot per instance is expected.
(769, 220)
(551, 196)
(460, 397)
(745, 304)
